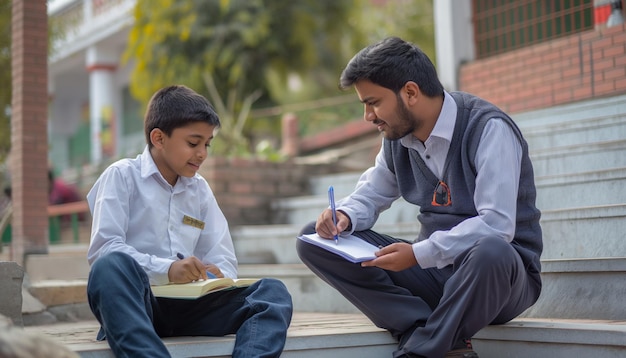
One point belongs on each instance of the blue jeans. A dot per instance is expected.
(133, 320)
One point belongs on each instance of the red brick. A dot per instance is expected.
(583, 92)
(29, 125)
(619, 39)
(571, 71)
(605, 87)
(620, 85)
(613, 51)
(239, 188)
(603, 64)
(562, 96)
(614, 73)
(610, 31)
(549, 57)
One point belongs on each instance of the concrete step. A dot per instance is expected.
(575, 148)
(303, 209)
(310, 335)
(576, 138)
(308, 292)
(588, 290)
(586, 232)
(342, 183)
(583, 157)
(353, 335)
(554, 338)
(602, 187)
(573, 289)
(577, 112)
(277, 243)
(567, 132)
(581, 232)
(59, 292)
(57, 266)
(68, 287)
(554, 192)
(582, 289)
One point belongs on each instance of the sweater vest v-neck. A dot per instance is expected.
(417, 183)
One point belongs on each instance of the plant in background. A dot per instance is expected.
(229, 49)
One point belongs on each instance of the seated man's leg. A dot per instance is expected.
(259, 315)
(396, 301)
(119, 295)
(489, 285)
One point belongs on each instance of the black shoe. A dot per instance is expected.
(463, 350)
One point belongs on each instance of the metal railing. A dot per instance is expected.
(80, 23)
(503, 25)
(61, 217)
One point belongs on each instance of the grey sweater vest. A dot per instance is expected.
(417, 183)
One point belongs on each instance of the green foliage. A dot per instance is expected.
(371, 21)
(411, 20)
(241, 46)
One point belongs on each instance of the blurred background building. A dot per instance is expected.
(94, 118)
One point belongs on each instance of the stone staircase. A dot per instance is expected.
(578, 152)
(579, 156)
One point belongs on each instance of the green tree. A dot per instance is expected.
(412, 20)
(234, 50)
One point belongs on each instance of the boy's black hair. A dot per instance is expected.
(176, 106)
(391, 63)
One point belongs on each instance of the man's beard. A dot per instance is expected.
(407, 123)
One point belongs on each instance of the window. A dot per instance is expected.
(504, 25)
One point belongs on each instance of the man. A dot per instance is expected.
(465, 163)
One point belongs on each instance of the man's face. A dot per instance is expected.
(182, 153)
(386, 110)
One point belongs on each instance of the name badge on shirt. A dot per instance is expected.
(188, 220)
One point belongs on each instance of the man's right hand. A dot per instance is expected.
(325, 227)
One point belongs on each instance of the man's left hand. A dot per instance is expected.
(395, 257)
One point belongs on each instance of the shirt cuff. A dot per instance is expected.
(158, 273)
(425, 253)
(352, 217)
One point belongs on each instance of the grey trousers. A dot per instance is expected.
(431, 310)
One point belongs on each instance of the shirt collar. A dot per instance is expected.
(444, 127)
(149, 168)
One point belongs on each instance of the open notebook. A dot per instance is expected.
(200, 288)
(349, 247)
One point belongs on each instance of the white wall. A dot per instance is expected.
(454, 39)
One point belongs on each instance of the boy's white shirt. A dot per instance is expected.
(136, 211)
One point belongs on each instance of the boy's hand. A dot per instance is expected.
(214, 270)
(187, 270)
(325, 227)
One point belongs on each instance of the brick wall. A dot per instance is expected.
(583, 66)
(244, 188)
(29, 147)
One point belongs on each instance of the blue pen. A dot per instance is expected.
(331, 200)
(209, 274)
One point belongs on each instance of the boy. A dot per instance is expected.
(138, 207)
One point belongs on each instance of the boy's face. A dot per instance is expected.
(182, 153)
